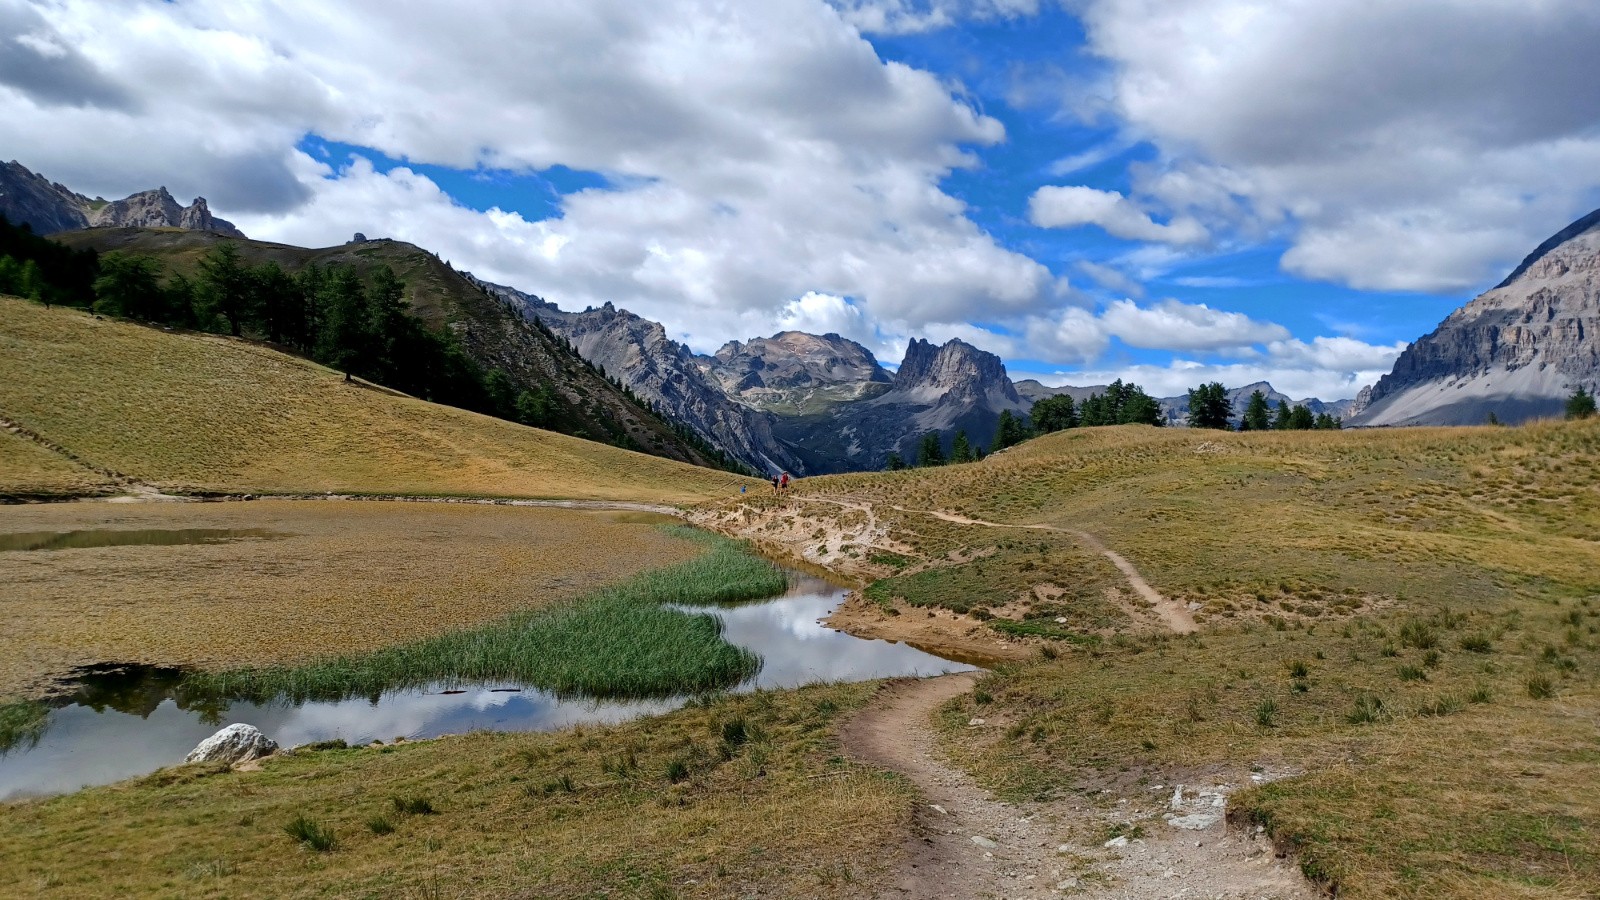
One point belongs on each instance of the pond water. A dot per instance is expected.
(106, 537)
(127, 722)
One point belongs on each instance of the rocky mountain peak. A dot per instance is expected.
(1516, 351)
(26, 197)
(956, 368)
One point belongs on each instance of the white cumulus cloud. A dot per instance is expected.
(1405, 145)
(1070, 206)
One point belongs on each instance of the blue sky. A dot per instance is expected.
(1172, 191)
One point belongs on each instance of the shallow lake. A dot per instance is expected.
(126, 724)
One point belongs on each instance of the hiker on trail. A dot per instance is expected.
(783, 482)
(775, 484)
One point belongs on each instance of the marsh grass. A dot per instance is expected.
(22, 724)
(623, 641)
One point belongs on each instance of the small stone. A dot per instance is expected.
(1061, 620)
(1067, 884)
(974, 723)
(938, 809)
(984, 842)
(1064, 848)
(1118, 841)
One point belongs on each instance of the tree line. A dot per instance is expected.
(1120, 404)
(1210, 407)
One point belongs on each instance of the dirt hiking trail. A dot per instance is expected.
(1174, 614)
(967, 844)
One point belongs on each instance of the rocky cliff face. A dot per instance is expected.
(1517, 351)
(34, 200)
(793, 372)
(664, 372)
(937, 388)
(26, 197)
(807, 404)
(158, 209)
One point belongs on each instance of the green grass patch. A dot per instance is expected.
(1045, 628)
(22, 723)
(622, 641)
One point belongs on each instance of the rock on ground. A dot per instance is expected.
(234, 744)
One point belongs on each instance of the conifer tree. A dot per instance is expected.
(1257, 416)
(960, 449)
(1581, 404)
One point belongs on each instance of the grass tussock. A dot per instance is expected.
(310, 833)
(621, 641)
(756, 821)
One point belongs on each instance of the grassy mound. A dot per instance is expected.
(622, 641)
(192, 412)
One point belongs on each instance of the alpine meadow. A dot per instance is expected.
(902, 449)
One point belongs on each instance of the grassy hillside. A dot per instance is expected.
(1406, 622)
(493, 334)
(29, 471)
(206, 413)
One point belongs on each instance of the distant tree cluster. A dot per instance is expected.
(1121, 404)
(1209, 407)
(1258, 414)
(43, 270)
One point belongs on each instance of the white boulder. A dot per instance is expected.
(235, 744)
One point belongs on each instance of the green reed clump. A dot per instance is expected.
(621, 641)
(22, 724)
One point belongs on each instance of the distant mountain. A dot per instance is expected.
(793, 372)
(1176, 409)
(1032, 391)
(944, 388)
(493, 334)
(662, 371)
(803, 403)
(30, 199)
(1516, 351)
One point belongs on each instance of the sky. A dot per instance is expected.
(1167, 191)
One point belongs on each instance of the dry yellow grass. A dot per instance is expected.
(344, 576)
(582, 812)
(206, 413)
(1408, 620)
(29, 471)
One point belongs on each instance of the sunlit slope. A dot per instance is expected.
(1218, 518)
(206, 413)
(1405, 624)
(29, 471)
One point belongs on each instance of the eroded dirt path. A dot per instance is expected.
(1175, 615)
(967, 844)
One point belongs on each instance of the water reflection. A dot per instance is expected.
(168, 537)
(126, 721)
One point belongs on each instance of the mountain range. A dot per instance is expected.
(812, 404)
